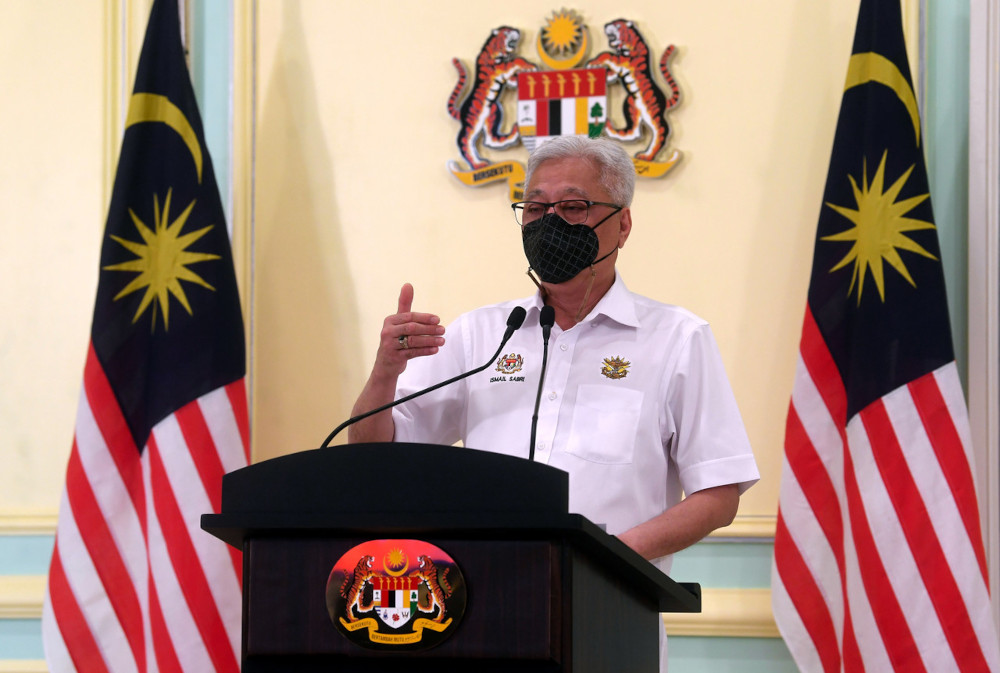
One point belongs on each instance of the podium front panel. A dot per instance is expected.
(514, 599)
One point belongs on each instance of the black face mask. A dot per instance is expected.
(557, 250)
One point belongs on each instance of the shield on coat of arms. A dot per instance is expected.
(394, 598)
(565, 102)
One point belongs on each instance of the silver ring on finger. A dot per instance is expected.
(404, 342)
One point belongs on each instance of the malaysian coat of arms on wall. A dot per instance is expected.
(565, 93)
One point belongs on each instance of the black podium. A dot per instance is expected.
(546, 590)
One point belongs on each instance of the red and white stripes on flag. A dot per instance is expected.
(879, 562)
(135, 584)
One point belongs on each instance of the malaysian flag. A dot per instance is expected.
(878, 554)
(134, 583)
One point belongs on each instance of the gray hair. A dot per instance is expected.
(613, 164)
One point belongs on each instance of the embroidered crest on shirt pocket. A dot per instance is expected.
(616, 367)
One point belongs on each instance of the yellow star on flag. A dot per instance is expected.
(879, 229)
(162, 261)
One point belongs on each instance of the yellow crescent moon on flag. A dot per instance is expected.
(872, 67)
(151, 107)
(565, 63)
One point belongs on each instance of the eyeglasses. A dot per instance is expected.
(574, 211)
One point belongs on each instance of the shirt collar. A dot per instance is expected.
(617, 304)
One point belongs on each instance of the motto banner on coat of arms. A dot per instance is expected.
(565, 93)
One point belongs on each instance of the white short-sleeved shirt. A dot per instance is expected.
(636, 405)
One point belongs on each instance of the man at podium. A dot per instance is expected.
(635, 404)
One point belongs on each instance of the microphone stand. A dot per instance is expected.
(546, 320)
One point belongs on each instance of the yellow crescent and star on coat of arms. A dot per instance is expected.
(566, 93)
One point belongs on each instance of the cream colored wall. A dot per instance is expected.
(352, 197)
(67, 70)
(53, 187)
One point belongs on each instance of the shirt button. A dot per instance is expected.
(552, 396)
(563, 347)
(541, 446)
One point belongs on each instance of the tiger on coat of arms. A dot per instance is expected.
(437, 587)
(645, 105)
(353, 587)
(481, 114)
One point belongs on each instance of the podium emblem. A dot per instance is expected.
(399, 595)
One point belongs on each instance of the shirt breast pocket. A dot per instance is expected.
(605, 423)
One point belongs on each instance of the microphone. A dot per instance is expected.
(514, 321)
(546, 319)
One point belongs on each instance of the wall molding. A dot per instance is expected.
(752, 527)
(23, 666)
(41, 522)
(21, 596)
(984, 274)
(242, 171)
(727, 613)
